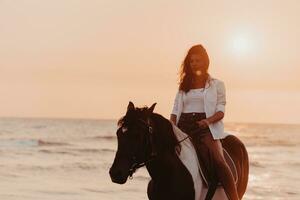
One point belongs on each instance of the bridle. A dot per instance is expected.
(153, 155)
(136, 165)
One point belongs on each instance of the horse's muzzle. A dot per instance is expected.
(117, 176)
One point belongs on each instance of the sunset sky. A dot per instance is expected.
(88, 59)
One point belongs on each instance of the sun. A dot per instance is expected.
(241, 44)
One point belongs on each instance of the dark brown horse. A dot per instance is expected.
(148, 139)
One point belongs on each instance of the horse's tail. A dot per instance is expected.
(239, 155)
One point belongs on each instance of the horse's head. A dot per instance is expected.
(135, 136)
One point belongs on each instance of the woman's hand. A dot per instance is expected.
(173, 118)
(203, 123)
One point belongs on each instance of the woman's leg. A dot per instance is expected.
(222, 170)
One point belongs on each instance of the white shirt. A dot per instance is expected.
(214, 101)
(193, 101)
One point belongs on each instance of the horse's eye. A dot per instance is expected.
(124, 129)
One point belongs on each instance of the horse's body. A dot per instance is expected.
(234, 148)
(175, 174)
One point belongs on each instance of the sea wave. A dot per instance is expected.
(103, 137)
(11, 143)
(39, 126)
(108, 150)
(50, 151)
(80, 165)
(48, 143)
(55, 167)
(256, 164)
(93, 150)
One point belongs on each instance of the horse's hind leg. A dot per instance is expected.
(150, 190)
(211, 191)
(239, 154)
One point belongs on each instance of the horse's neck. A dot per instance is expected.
(163, 167)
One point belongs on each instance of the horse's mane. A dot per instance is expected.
(166, 133)
(162, 127)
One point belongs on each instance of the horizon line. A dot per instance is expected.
(115, 119)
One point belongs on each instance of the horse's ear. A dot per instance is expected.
(130, 106)
(151, 108)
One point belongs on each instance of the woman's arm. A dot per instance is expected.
(221, 96)
(216, 117)
(175, 109)
(220, 108)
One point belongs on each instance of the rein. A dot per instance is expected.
(183, 139)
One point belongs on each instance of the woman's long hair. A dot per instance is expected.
(186, 74)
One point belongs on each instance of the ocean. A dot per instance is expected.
(69, 159)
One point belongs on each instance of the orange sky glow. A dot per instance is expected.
(88, 59)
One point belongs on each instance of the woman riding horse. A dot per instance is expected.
(148, 139)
